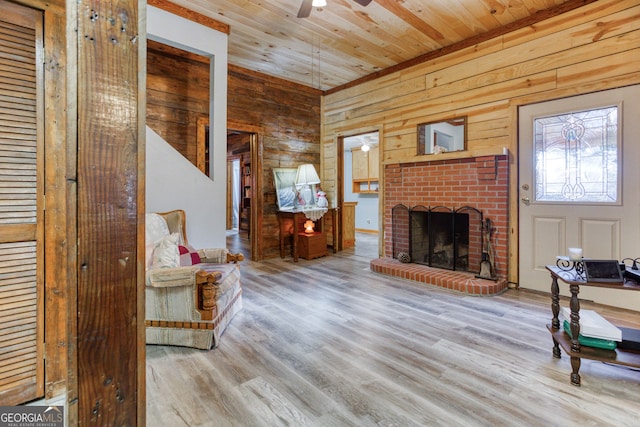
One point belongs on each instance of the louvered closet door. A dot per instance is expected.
(21, 216)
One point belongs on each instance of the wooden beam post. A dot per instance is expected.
(110, 349)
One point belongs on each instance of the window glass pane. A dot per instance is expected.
(576, 157)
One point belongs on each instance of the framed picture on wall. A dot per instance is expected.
(284, 180)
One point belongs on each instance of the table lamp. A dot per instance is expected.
(305, 177)
(308, 226)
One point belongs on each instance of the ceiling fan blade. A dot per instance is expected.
(305, 9)
(362, 2)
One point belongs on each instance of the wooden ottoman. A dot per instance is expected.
(312, 245)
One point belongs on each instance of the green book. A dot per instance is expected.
(588, 341)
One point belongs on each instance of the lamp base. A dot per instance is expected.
(308, 226)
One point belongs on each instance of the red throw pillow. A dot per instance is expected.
(188, 256)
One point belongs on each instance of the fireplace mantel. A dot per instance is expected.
(469, 154)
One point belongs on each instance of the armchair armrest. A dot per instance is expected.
(219, 256)
(191, 280)
(235, 258)
(179, 276)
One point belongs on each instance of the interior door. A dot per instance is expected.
(21, 205)
(578, 183)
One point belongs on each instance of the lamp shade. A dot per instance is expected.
(307, 175)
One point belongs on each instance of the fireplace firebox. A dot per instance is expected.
(439, 236)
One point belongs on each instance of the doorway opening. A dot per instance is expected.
(359, 199)
(240, 196)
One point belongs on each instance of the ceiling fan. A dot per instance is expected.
(305, 7)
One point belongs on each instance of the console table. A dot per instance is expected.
(572, 346)
(290, 225)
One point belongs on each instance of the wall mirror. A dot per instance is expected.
(443, 136)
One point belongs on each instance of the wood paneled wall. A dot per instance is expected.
(287, 118)
(177, 95)
(60, 215)
(593, 48)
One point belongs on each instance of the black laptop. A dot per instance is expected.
(603, 270)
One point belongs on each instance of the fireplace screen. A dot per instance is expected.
(444, 238)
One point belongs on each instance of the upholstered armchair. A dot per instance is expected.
(191, 295)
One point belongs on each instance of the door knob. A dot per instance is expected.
(525, 200)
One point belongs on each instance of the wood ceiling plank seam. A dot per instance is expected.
(408, 17)
(516, 9)
(402, 38)
(429, 13)
(496, 58)
(534, 6)
(527, 23)
(187, 12)
(251, 24)
(458, 20)
(363, 33)
(405, 39)
(594, 10)
(502, 11)
(478, 15)
(368, 53)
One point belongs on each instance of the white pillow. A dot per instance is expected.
(155, 228)
(166, 253)
(148, 255)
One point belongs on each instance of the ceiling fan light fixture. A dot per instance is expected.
(319, 3)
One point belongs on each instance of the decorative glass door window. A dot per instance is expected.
(576, 157)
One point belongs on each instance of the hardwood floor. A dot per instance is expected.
(327, 342)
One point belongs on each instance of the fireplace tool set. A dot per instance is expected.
(486, 265)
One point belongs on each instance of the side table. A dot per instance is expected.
(572, 346)
(291, 221)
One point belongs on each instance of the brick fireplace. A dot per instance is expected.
(480, 182)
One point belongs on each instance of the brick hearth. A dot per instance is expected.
(454, 280)
(480, 182)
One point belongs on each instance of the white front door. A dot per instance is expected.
(579, 185)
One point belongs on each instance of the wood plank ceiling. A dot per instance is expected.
(345, 42)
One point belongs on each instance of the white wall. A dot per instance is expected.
(171, 184)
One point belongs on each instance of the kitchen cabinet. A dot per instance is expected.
(365, 170)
